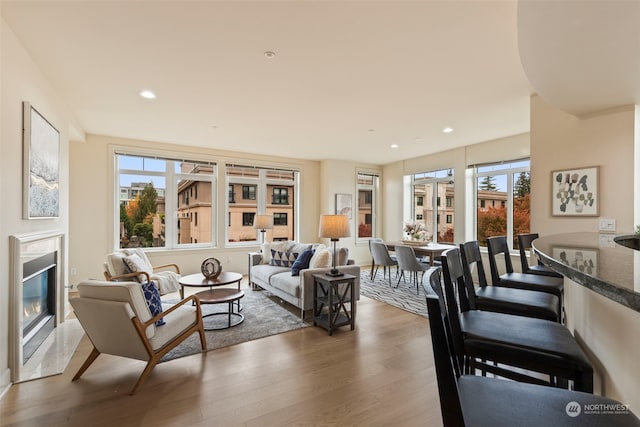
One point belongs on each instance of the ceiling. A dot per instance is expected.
(348, 78)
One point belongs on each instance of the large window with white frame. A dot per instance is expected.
(502, 196)
(367, 187)
(164, 202)
(260, 190)
(433, 203)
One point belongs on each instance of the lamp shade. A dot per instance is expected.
(334, 226)
(262, 222)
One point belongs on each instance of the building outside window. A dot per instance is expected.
(247, 219)
(503, 200)
(249, 192)
(269, 190)
(367, 187)
(158, 199)
(280, 196)
(431, 187)
(280, 218)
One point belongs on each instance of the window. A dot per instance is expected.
(232, 195)
(159, 203)
(367, 187)
(280, 218)
(249, 192)
(264, 190)
(503, 198)
(247, 219)
(431, 188)
(280, 196)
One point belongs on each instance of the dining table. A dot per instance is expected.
(431, 250)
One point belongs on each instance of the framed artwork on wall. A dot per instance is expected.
(344, 204)
(41, 166)
(574, 192)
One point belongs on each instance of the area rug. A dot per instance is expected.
(404, 296)
(263, 316)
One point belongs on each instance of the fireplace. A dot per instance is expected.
(38, 303)
(39, 283)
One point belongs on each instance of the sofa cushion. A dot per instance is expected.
(298, 247)
(286, 283)
(266, 250)
(302, 262)
(343, 256)
(321, 259)
(283, 259)
(263, 272)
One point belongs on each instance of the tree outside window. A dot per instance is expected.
(503, 192)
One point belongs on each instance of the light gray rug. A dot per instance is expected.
(263, 316)
(404, 296)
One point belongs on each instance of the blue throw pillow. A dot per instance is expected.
(152, 296)
(302, 262)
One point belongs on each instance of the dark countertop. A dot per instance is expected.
(594, 261)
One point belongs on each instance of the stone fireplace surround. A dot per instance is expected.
(56, 350)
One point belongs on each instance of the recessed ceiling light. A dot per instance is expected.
(447, 130)
(270, 54)
(394, 146)
(147, 94)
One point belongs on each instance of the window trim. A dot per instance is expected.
(509, 172)
(170, 192)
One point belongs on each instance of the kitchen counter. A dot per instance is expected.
(596, 262)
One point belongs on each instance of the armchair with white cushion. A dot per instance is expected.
(117, 319)
(125, 263)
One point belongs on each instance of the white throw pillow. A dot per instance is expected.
(138, 265)
(276, 246)
(321, 259)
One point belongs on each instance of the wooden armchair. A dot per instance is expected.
(116, 318)
(116, 268)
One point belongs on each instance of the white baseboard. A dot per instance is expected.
(5, 382)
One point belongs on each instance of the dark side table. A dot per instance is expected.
(334, 301)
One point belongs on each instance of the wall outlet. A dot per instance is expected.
(73, 271)
(607, 225)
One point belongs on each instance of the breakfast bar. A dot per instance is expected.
(602, 304)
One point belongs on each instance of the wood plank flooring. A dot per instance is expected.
(380, 374)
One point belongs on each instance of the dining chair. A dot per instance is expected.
(381, 257)
(524, 245)
(475, 400)
(520, 302)
(497, 246)
(408, 262)
(506, 344)
(373, 261)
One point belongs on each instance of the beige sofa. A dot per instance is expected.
(297, 290)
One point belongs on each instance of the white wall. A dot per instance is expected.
(339, 176)
(23, 81)
(608, 330)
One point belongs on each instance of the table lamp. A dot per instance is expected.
(334, 227)
(262, 223)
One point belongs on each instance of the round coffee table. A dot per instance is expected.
(198, 280)
(221, 296)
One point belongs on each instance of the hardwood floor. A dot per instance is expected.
(380, 374)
